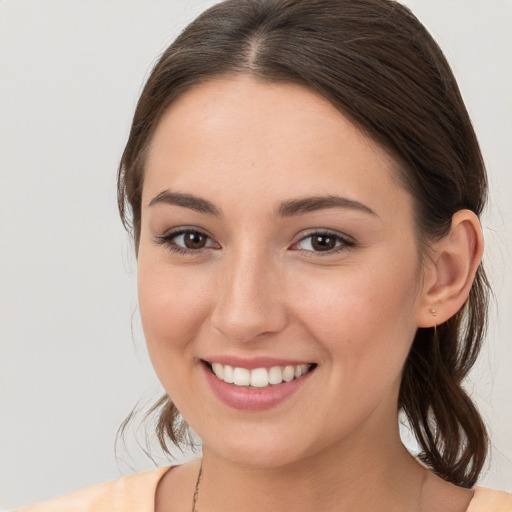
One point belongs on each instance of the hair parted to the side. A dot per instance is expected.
(380, 67)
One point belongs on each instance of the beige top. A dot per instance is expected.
(136, 493)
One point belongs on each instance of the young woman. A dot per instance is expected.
(304, 187)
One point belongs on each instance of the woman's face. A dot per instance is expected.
(274, 235)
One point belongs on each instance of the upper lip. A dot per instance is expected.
(254, 362)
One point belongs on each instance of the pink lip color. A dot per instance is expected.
(252, 399)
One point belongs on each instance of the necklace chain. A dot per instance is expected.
(200, 475)
(196, 490)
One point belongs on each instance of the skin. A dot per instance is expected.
(258, 287)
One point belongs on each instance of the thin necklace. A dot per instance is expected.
(200, 475)
(196, 491)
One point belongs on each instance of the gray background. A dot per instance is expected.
(72, 355)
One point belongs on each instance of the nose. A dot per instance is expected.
(249, 304)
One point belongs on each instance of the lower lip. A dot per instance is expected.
(253, 399)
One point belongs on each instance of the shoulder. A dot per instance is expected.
(134, 493)
(489, 500)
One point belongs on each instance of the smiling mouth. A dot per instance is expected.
(258, 377)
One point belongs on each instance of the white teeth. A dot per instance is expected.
(259, 377)
(275, 375)
(288, 373)
(301, 369)
(228, 374)
(241, 377)
(218, 369)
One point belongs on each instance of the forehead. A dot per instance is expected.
(241, 137)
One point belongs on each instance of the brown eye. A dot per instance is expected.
(194, 240)
(323, 242)
(187, 241)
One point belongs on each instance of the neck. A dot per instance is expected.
(358, 474)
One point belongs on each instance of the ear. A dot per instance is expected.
(450, 274)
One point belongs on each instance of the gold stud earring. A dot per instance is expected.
(433, 310)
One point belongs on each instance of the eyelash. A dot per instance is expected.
(168, 241)
(345, 243)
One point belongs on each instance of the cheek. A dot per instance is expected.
(363, 317)
(173, 308)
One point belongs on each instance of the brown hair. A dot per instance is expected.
(380, 67)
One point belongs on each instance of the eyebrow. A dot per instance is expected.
(186, 201)
(288, 208)
(311, 204)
